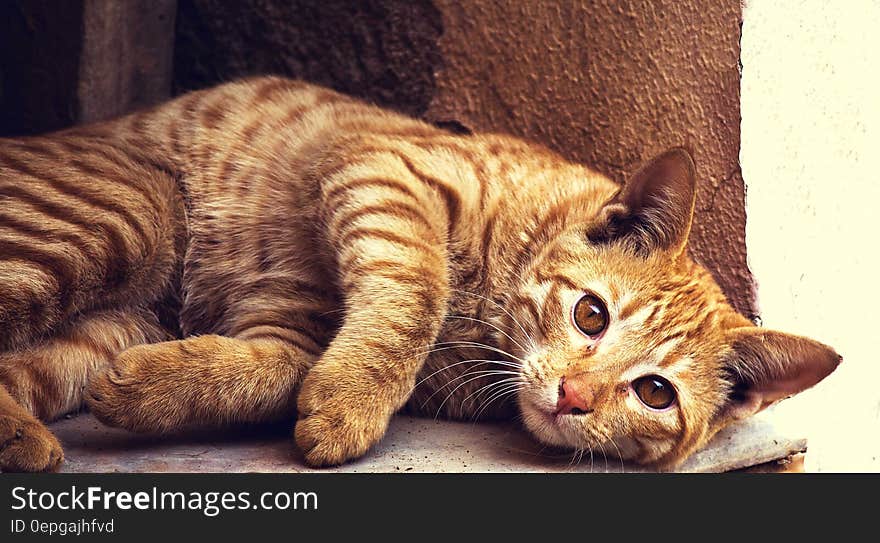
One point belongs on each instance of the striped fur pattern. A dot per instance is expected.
(271, 250)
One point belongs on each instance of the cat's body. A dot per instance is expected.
(325, 259)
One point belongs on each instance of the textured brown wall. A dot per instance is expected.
(605, 82)
(610, 83)
(382, 50)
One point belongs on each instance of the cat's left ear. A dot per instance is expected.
(766, 366)
(655, 209)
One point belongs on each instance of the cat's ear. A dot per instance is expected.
(766, 366)
(655, 209)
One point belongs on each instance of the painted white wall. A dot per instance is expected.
(811, 162)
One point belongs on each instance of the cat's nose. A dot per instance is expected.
(575, 398)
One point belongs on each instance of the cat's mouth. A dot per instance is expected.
(548, 416)
(550, 428)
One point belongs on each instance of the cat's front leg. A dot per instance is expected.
(393, 270)
(366, 375)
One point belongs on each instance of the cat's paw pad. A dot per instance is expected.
(27, 446)
(123, 396)
(333, 428)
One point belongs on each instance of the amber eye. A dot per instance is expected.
(654, 391)
(590, 315)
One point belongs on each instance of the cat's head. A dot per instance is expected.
(634, 347)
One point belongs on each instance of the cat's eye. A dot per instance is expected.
(654, 391)
(590, 315)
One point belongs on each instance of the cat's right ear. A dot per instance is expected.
(655, 209)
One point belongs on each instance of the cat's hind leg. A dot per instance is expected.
(46, 381)
(83, 227)
(251, 375)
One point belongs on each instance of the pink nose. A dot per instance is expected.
(575, 398)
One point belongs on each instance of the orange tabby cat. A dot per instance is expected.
(269, 249)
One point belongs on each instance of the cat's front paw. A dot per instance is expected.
(126, 396)
(336, 424)
(27, 445)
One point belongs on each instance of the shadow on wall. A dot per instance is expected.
(385, 51)
(39, 65)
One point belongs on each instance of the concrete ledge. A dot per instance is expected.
(412, 445)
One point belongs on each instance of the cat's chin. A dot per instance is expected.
(545, 427)
(542, 424)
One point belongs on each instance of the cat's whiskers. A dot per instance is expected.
(508, 390)
(441, 346)
(571, 462)
(486, 387)
(619, 454)
(526, 335)
(500, 386)
(480, 362)
(446, 345)
(483, 374)
(487, 323)
(605, 456)
(439, 349)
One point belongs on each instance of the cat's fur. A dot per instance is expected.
(325, 260)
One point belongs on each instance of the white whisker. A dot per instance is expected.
(509, 386)
(502, 308)
(482, 362)
(515, 342)
(446, 345)
(446, 399)
(604, 456)
(574, 454)
(619, 454)
(509, 390)
(490, 385)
